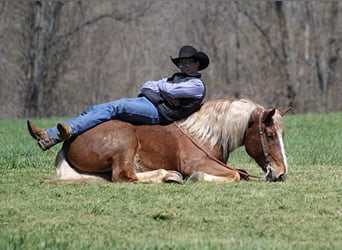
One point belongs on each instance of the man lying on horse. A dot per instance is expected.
(160, 102)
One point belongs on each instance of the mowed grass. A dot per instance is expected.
(304, 212)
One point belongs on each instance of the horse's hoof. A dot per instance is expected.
(196, 176)
(174, 177)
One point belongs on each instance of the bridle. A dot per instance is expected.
(263, 146)
(262, 141)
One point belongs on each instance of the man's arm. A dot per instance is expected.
(193, 88)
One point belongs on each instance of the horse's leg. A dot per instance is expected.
(67, 174)
(201, 176)
(123, 162)
(214, 172)
(159, 176)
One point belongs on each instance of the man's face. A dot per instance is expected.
(188, 66)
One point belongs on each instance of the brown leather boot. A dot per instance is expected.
(39, 134)
(65, 131)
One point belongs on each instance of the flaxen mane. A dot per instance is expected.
(221, 121)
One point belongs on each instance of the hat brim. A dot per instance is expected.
(201, 57)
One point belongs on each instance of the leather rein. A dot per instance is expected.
(263, 146)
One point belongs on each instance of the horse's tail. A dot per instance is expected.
(68, 174)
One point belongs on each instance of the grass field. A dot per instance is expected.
(304, 212)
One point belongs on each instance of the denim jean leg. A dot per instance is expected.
(136, 110)
(53, 134)
(91, 117)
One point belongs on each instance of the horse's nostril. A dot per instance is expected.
(281, 177)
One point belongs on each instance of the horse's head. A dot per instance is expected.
(264, 142)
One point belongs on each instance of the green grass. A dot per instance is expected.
(304, 212)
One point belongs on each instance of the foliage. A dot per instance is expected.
(304, 212)
(58, 57)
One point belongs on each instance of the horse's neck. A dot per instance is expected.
(220, 148)
(221, 122)
(210, 150)
(216, 151)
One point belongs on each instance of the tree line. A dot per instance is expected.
(58, 57)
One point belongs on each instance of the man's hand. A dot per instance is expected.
(172, 101)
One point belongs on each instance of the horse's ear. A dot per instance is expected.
(268, 114)
(284, 111)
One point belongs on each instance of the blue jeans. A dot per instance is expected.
(134, 110)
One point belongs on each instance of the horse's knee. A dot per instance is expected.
(124, 176)
(236, 177)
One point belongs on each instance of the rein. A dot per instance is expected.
(216, 160)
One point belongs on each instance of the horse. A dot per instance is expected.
(195, 148)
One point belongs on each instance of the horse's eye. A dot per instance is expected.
(269, 136)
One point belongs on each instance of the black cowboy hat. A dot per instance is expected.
(188, 51)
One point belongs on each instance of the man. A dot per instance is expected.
(160, 102)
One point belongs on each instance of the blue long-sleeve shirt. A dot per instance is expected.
(189, 88)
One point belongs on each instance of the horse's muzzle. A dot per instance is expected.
(271, 175)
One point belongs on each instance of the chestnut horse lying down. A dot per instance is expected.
(194, 148)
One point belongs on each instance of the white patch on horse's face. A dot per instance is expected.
(280, 137)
